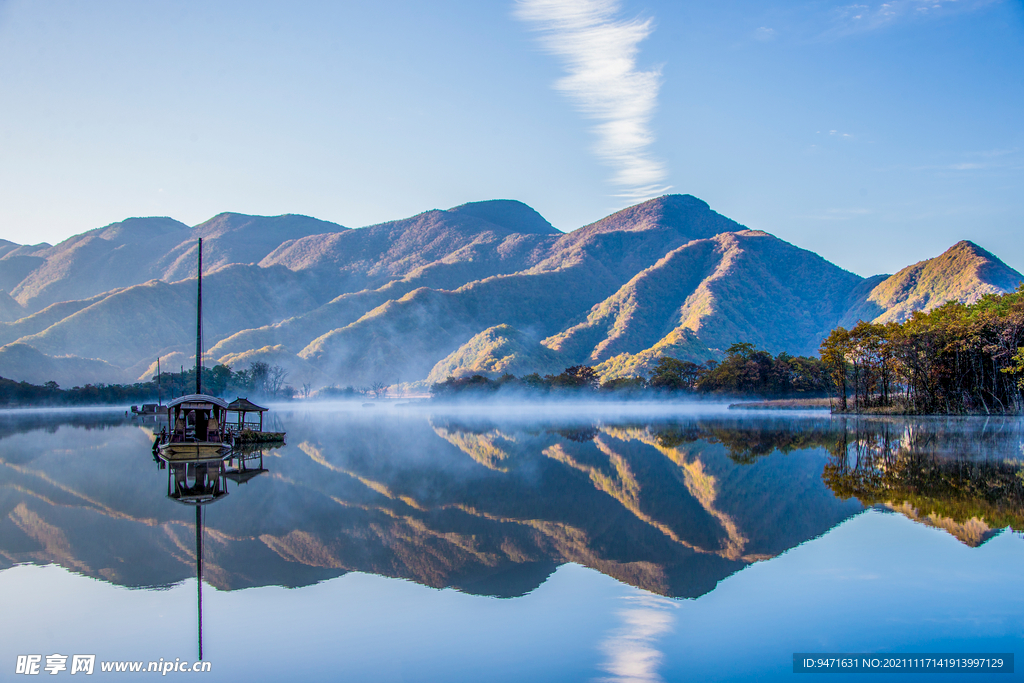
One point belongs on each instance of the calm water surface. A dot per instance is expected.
(577, 544)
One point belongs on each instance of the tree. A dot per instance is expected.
(216, 379)
(674, 374)
(833, 352)
(275, 379)
(624, 384)
(254, 379)
(576, 377)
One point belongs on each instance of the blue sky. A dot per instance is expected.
(876, 134)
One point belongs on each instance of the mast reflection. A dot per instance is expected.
(198, 482)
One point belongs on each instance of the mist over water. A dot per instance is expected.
(611, 539)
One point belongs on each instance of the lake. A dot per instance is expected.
(546, 543)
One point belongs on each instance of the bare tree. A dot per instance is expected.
(379, 389)
(307, 389)
(275, 379)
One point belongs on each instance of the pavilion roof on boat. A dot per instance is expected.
(243, 406)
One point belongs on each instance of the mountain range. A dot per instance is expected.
(487, 287)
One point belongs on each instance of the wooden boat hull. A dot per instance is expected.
(194, 450)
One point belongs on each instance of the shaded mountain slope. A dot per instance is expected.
(118, 255)
(17, 261)
(480, 259)
(138, 323)
(370, 257)
(140, 249)
(770, 293)
(29, 365)
(237, 238)
(9, 308)
(40, 320)
(406, 338)
(642, 311)
(632, 239)
(859, 306)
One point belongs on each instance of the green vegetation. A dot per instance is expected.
(956, 359)
(744, 371)
(13, 394)
(259, 379)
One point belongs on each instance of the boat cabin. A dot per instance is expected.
(196, 418)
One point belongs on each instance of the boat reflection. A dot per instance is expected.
(200, 482)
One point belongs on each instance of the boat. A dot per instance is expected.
(198, 427)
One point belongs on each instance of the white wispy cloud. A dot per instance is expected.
(1007, 159)
(599, 50)
(858, 17)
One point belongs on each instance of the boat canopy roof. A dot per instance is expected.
(244, 404)
(198, 398)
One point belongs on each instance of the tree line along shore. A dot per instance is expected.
(259, 379)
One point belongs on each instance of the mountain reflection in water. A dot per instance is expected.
(493, 507)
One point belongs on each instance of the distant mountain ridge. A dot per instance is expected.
(486, 287)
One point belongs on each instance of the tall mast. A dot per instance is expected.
(158, 380)
(199, 325)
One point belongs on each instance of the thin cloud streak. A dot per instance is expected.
(861, 17)
(599, 51)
